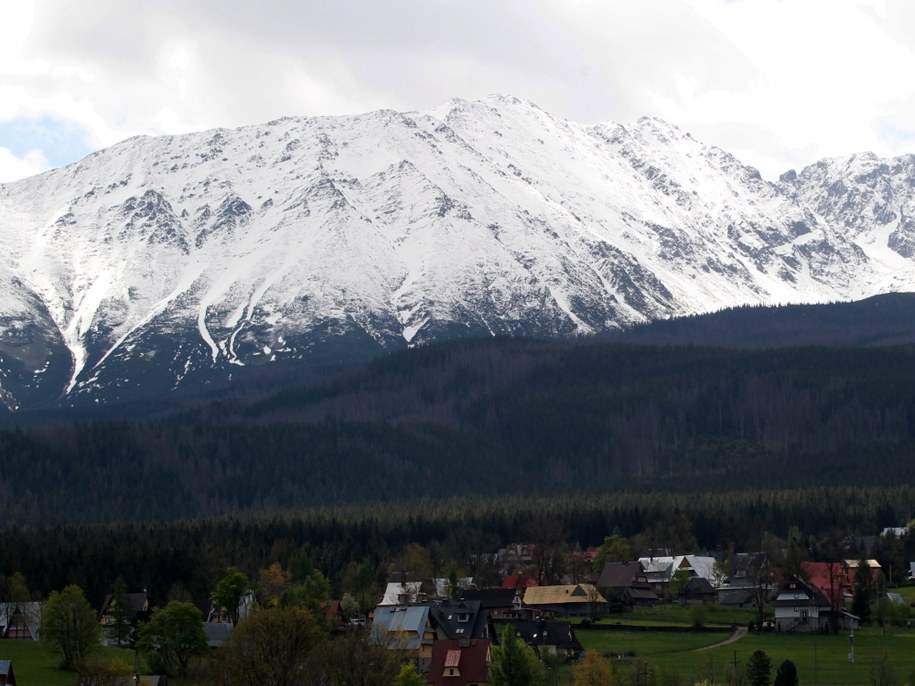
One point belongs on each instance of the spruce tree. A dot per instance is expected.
(759, 669)
(786, 675)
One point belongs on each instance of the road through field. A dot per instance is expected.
(738, 634)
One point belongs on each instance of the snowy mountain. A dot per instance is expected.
(174, 262)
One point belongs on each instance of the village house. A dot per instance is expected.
(20, 621)
(407, 628)
(550, 638)
(459, 663)
(501, 603)
(800, 607)
(402, 593)
(660, 572)
(461, 620)
(571, 600)
(626, 584)
(7, 677)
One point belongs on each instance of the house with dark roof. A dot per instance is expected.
(137, 605)
(626, 583)
(549, 638)
(217, 633)
(500, 602)
(459, 663)
(7, 677)
(119, 624)
(698, 590)
(460, 620)
(800, 607)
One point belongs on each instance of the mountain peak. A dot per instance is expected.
(180, 261)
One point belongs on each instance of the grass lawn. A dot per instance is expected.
(675, 653)
(34, 665)
(671, 614)
(907, 592)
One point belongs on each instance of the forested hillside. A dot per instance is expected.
(488, 418)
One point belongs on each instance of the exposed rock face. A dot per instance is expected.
(170, 262)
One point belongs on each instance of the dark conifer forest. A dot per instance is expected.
(476, 436)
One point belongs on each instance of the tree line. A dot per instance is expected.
(357, 547)
(488, 418)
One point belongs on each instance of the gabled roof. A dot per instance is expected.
(663, 568)
(459, 619)
(401, 627)
(537, 633)
(136, 603)
(641, 593)
(29, 613)
(658, 565)
(697, 586)
(217, 633)
(796, 592)
(562, 595)
(702, 565)
(471, 660)
(6, 671)
(736, 596)
(443, 586)
(491, 598)
(828, 577)
(619, 575)
(396, 592)
(518, 581)
(853, 564)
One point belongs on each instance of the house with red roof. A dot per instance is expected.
(831, 579)
(459, 663)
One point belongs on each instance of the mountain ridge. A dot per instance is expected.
(171, 262)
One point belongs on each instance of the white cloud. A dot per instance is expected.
(826, 78)
(13, 167)
(781, 82)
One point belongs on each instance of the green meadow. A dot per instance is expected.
(820, 660)
(35, 665)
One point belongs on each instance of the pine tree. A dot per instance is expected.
(759, 669)
(513, 663)
(786, 675)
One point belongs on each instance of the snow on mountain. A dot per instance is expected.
(172, 261)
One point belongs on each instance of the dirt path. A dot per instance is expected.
(738, 634)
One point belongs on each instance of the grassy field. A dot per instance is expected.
(676, 615)
(822, 660)
(34, 665)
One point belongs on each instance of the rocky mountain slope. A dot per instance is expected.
(177, 262)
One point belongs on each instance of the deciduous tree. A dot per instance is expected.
(229, 592)
(408, 676)
(593, 670)
(275, 647)
(174, 634)
(70, 626)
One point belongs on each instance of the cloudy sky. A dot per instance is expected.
(780, 83)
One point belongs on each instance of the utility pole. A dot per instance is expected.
(816, 675)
